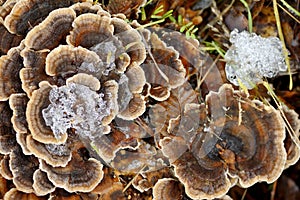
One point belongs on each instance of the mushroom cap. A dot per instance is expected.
(112, 52)
(4, 168)
(22, 168)
(6, 7)
(167, 189)
(163, 68)
(7, 40)
(90, 29)
(194, 60)
(10, 66)
(34, 71)
(242, 140)
(53, 154)
(4, 186)
(78, 176)
(16, 194)
(255, 133)
(86, 7)
(142, 158)
(145, 181)
(67, 60)
(106, 145)
(36, 123)
(21, 139)
(18, 103)
(26, 14)
(135, 108)
(131, 40)
(42, 36)
(136, 78)
(210, 178)
(190, 55)
(163, 114)
(292, 144)
(85, 79)
(41, 184)
(110, 95)
(7, 133)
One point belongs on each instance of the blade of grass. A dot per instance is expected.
(287, 12)
(250, 23)
(290, 8)
(285, 51)
(277, 101)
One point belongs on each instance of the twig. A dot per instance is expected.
(206, 74)
(273, 190)
(244, 194)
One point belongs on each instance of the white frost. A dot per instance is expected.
(252, 57)
(75, 106)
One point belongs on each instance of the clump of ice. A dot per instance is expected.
(252, 57)
(75, 106)
(124, 94)
(107, 51)
(58, 149)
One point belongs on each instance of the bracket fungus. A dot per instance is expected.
(22, 168)
(90, 29)
(34, 70)
(4, 168)
(36, 124)
(67, 60)
(26, 14)
(7, 133)
(18, 103)
(291, 142)
(10, 66)
(167, 189)
(146, 181)
(8, 40)
(16, 194)
(95, 106)
(54, 154)
(238, 139)
(41, 184)
(163, 68)
(6, 7)
(59, 22)
(78, 176)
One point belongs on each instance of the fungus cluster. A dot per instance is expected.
(93, 106)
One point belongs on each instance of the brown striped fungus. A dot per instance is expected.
(96, 107)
